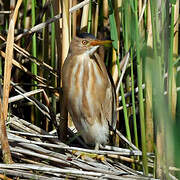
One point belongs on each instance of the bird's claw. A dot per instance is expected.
(86, 156)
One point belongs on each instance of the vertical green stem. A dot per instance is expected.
(126, 44)
(126, 24)
(133, 103)
(90, 16)
(125, 114)
(24, 17)
(24, 12)
(140, 93)
(34, 52)
(114, 37)
(53, 64)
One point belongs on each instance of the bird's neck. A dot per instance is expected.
(91, 51)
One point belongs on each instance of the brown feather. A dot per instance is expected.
(88, 92)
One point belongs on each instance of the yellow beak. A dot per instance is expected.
(100, 42)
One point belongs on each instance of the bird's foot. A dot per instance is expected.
(88, 156)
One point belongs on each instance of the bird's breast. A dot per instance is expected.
(84, 85)
(85, 88)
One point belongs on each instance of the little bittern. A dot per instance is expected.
(88, 91)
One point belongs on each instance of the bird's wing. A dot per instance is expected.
(109, 103)
(109, 107)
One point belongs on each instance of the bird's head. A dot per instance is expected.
(86, 43)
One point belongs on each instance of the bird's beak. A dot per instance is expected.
(100, 42)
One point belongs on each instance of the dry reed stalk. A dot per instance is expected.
(45, 156)
(58, 24)
(78, 6)
(12, 7)
(148, 92)
(115, 73)
(2, 176)
(74, 19)
(140, 7)
(176, 23)
(160, 153)
(65, 42)
(123, 158)
(26, 54)
(123, 69)
(44, 24)
(22, 96)
(70, 20)
(65, 29)
(96, 18)
(20, 66)
(175, 52)
(115, 76)
(84, 18)
(7, 76)
(45, 53)
(142, 12)
(118, 5)
(105, 12)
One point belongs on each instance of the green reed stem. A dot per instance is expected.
(125, 114)
(24, 18)
(126, 45)
(24, 12)
(90, 16)
(114, 37)
(126, 24)
(33, 65)
(133, 102)
(34, 52)
(140, 93)
(53, 64)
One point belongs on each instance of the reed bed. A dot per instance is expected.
(39, 154)
(143, 61)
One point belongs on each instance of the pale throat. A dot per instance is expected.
(91, 51)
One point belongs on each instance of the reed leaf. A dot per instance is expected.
(114, 35)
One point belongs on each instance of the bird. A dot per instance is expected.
(88, 90)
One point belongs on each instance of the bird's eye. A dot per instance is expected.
(84, 42)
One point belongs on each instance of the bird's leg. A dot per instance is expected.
(97, 146)
(99, 157)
